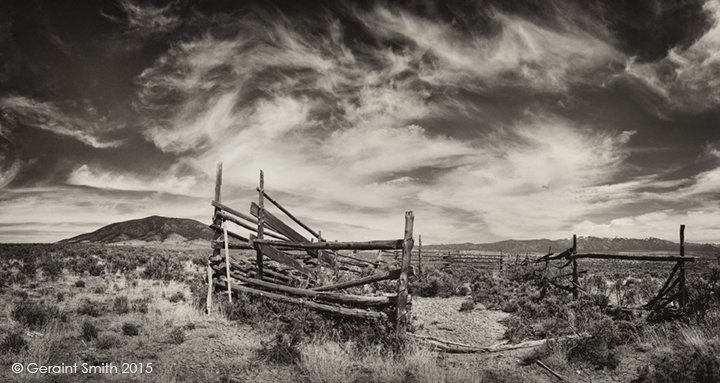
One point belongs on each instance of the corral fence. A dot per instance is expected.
(291, 268)
(673, 291)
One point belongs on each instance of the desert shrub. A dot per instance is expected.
(33, 314)
(163, 267)
(51, 266)
(703, 293)
(692, 363)
(130, 329)
(121, 305)
(467, 306)
(199, 262)
(88, 331)
(283, 349)
(106, 342)
(177, 297)
(141, 305)
(600, 349)
(198, 293)
(177, 335)
(13, 343)
(79, 283)
(90, 308)
(504, 375)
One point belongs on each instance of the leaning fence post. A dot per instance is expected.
(681, 275)
(400, 313)
(217, 220)
(575, 270)
(261, 225)
(419, 256)
(227, 260)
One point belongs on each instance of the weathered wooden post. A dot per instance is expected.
(217, 221)
(401, 319)
(681, 275)
(575, 270)
(261, 225)
(227, 260)
(419, 256)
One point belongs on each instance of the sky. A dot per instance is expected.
(489, 119)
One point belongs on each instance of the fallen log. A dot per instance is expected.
(339, 310)
(456, 348)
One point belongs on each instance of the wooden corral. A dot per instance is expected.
(289, 267)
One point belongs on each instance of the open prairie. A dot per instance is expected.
(123, 313)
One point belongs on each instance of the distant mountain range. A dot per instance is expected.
(584, 244)
(152, 229)
(166, 230)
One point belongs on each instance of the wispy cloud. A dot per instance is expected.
(47, 116)
(521, 53)
(148, 19)
(165, 182)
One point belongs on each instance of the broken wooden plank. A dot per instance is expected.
(277, 204)
(230, 233)
(236, 221)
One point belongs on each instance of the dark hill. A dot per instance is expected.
(150, 229)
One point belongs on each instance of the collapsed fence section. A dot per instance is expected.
(291, 268)
(674, 289)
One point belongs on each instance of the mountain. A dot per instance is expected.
(584, 244)
(150, 229)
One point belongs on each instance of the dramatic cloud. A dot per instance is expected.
(49, 117)
(687, 78)
(490, 121)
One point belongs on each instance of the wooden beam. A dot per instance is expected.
(632, 257)
(370, 245)
(344, 311)
(230, 210)
(240, 223)
(681, 276)
(233, 246)
(277, 224)
(420, 255)
(394, 274)
(217, 221)
(346, 299)
(261, 226)
(227, 259)
(311, 231)
(219, 230)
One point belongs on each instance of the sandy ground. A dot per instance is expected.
(442, 318)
